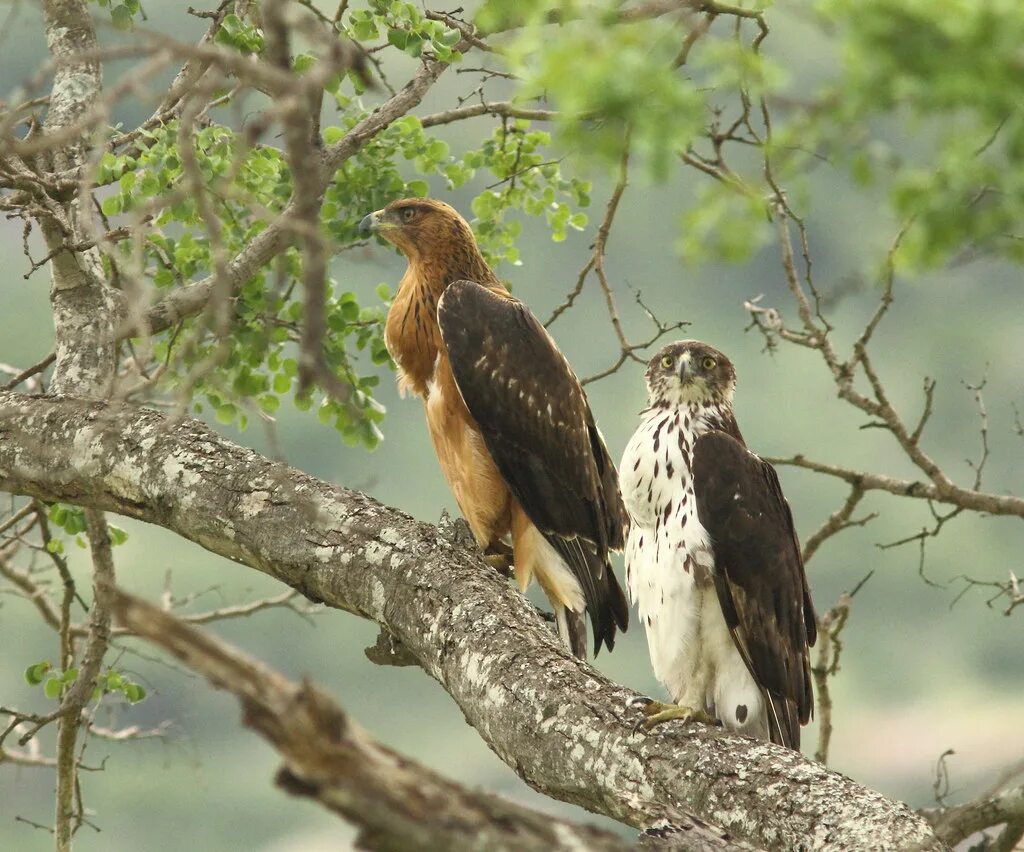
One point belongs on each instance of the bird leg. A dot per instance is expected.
(500, 562)
(657, 713)
(499, 556)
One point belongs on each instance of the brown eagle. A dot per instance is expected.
(712, 559)
(508, 418)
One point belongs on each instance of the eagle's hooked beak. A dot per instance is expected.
(371, 223)
(685, 368)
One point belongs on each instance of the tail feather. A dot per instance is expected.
(606, 604)
(783, 724)
(572, 627)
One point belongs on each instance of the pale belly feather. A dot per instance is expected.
(669, 575)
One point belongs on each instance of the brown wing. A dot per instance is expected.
(538, 427)
(759, 576)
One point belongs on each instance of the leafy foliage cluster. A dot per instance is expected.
(55, 682)
(616, 80)
(954, 70)
(71, 519)
(250, 364)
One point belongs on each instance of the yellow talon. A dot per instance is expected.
(657, 713)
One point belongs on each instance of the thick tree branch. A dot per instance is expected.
(566, 729)
(959, 822)
(85, 316)
(83, 306)
(396, 803)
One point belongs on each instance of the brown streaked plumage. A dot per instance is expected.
(712, 557)
(510, 423)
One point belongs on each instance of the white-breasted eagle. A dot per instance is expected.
(712, 558)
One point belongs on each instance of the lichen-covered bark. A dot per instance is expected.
(84, 307)
(396, 803)
(84, 311)
(560, 724)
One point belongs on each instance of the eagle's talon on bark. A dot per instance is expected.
(657, 713)
(500, 562)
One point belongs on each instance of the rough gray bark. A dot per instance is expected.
(563, 727)
(999, 807)
(84, 307)
(396, 803)
(84, 319)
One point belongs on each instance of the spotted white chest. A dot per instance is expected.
(669, 572)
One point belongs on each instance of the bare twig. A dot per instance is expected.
(596, 264)
(977, 501)
(830, 626)
(286, 600)
(507, 109)
(68, 818)
(837, 522)
(33, 592)
(1009, 589)
(940, 786)
(29, 372)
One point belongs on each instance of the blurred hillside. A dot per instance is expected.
(919, 675)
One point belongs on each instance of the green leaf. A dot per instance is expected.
(53, 687)
(450, 38)
(419, 188)
(35, 673)
(398, 37)
(121, 17)
(226, 413)
(134, 692)
(111, 205)
(303, 63)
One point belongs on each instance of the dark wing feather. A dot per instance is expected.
(759, 576)
(539, 429)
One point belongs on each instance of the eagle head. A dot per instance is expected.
(690, 372)
(421, 228)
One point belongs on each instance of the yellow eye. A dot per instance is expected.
(408, 214)
(709, 363)
(667, 361)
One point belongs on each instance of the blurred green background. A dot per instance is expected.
(918, 676)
